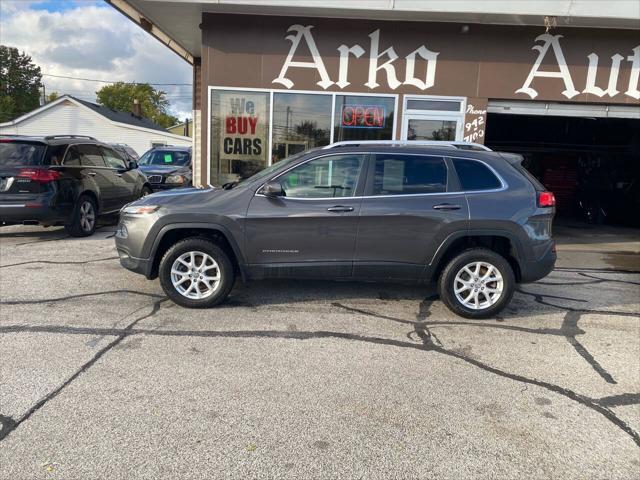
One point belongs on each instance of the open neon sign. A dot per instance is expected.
(363, 116)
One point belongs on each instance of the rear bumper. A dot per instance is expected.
(537, 269)
(18, 213)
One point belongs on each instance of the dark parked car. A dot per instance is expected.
(476, 221)
(64, 180)
(125, 151)
(167, 167)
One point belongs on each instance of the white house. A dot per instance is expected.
(68, 115)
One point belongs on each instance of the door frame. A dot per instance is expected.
(413, 114)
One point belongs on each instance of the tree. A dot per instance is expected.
(52, 96)
(153, 103)
(20, 81)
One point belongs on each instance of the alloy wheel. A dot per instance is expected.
(195, 275)
(478, 285)
(87, 216)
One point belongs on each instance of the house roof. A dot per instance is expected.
(120, 116)
(115, 116)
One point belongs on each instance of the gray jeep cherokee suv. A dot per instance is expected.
(473, 220)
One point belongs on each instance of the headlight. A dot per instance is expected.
(139, 209)
(177, 179)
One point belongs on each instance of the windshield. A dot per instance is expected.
(174, 158)
(20, 153)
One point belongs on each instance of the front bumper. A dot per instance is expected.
(142, 266)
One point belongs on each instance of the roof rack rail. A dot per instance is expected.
(412, 143)
(51, 137)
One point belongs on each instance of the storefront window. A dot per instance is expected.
(239, 134)
(419, 129)
(300, 121)
(363, 118)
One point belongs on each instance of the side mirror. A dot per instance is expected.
(272, 189)
(132, 165)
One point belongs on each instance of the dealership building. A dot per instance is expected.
(557, 81)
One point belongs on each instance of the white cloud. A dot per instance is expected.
(92, 40)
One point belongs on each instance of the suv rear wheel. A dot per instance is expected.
(196, 273)
(477, 283)
(84, 217)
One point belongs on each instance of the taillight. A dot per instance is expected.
(40, 175)
(546, 199)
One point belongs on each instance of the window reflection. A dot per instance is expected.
(431, 130)
(300, 121)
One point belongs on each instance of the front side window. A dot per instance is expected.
(90, 156)
(113, 159)
(397, 174)
(326, 177)
(475, 175)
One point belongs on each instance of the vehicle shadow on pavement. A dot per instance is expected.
(529, 299)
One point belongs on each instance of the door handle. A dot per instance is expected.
(91, 174)
(446, 206)
(340, 208)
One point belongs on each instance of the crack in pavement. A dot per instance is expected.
(312, 335)
(53, 262)
(570, 329)
(601, 280)
(10, 425)
(80, 295)
(619, 400)
(421, 330)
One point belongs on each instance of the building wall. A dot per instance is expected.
(67, 118)
(476, 62)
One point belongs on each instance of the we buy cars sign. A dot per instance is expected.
(244, 129)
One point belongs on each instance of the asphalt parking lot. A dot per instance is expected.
(102, 377)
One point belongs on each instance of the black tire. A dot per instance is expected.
(145, 191)
(84, 217)
(197, 244)
(446, 283)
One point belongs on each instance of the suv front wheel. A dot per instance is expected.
(196, 273)
(477, 283)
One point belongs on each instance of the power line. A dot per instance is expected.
(114, 81)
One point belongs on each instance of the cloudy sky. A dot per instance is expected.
(90, 39)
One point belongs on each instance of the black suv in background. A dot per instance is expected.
(64, 180)
(473, 220)
(167, 167)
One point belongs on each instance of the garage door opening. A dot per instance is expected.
(591, 164)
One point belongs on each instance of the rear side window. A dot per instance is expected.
(72, 159)
(397, 174)
(475, 175)
(20, 153)
(534, 181)
(90, 156)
